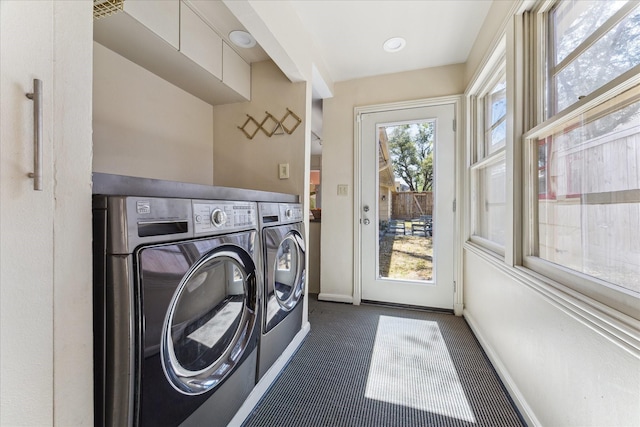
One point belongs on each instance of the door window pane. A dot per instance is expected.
(406, 201)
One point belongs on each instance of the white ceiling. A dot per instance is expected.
(350, 33)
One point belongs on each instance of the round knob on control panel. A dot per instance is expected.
(218, 217)
(288, 213)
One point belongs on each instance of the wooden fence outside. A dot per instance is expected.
(590, 221)
(408, 204)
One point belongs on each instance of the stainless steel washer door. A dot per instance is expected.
(209, 321)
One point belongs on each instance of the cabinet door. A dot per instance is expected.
(199, 42)
(160, 16)
(26, 217)
(235, 72)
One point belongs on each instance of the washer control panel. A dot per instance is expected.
(220, 216)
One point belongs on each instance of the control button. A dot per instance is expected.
(218, 217)
(198, 218)
(288, 213)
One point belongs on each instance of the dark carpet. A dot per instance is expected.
(378, 366)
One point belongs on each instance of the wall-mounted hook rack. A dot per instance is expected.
(250, 119)
(278, 128)
(295, 117)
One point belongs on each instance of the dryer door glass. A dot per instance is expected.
(288, 271)
(208, 324)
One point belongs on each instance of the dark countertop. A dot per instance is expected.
(120, 185)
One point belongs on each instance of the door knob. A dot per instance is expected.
(366, 221)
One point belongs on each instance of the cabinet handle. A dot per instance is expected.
(36, 96)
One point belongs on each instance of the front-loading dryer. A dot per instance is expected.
(177, 319)
(283, 251)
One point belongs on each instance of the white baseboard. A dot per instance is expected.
(269, 378)
(335, 298)
(458, 309)
(512, 388)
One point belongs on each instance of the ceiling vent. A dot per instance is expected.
(102, 8)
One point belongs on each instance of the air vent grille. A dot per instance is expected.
(102, 8)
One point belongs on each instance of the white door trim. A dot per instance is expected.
(457, 101)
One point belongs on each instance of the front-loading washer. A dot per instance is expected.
(177, 318)
(283, 251)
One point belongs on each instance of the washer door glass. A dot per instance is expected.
(288, 271)
(208, 324)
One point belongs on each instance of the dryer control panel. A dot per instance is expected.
(279, 213)
(214, 217)
(291, 212)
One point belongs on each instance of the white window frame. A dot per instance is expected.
(614, 300)
(551, 70)
(493, 71)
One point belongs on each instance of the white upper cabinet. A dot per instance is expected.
(199, 42)
(236, 73)
(171, 40)
(161, 17)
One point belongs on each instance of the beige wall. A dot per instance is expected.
(313, 254)
(253, 163)
(337, 159)
(145, 126)
(498, 13)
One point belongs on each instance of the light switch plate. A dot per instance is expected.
(343, 189)
(283, 170)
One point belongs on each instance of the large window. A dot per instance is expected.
(488, 172)
(591, 43)
(584, 198)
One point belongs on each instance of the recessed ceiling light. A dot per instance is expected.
(242, 39)
(394, 44)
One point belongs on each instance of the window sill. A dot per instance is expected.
(619, 328)
(489, 246)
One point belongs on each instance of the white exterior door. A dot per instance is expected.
(438, 290)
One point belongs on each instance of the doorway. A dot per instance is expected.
(405, 206)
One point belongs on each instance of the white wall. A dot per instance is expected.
(73, 280)
(145, 126)
(567, 373)
(337, 159)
